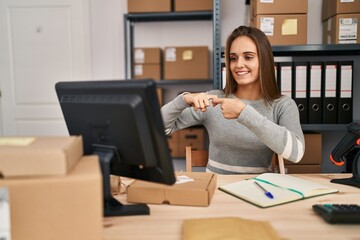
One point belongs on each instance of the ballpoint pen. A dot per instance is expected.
(267, 193)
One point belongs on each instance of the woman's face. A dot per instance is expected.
(244, 61)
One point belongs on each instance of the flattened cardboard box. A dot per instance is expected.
(194, 193)
(57, 207)
(36, 156)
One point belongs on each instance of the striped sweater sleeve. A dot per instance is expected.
(285, 138)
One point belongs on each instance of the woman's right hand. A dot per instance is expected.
(199, 101)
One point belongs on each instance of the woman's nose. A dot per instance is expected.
(240, 62)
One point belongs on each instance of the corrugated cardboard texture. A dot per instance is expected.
(333, 7)
(195, 193)
(258, 7)
(142, 6)
(191, 5)
(287, 29)
(186, 63)
(43, 156)
(58, 207)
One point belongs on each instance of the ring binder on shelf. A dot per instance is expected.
(315, 90)
(330, 105)
(300, 89)
(345, 94)
(285, 78)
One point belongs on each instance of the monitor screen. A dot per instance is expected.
(119, 120)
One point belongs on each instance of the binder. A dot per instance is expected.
(300, 89)
(284, 77)
(345, 93)
(330, 103)
(315, 90)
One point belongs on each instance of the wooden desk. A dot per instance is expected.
(292, 221)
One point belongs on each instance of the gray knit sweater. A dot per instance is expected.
(245, 144)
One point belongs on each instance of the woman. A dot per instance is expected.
(248, 121)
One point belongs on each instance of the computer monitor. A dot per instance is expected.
(119, 120)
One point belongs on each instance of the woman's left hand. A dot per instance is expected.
(231, 108)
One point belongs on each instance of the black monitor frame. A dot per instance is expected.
(120, 121)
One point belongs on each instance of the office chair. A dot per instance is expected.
(199, 158)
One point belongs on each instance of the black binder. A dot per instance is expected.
(300, 89)
(284, 78)
(315, 77)
(330, 86)
(345, 93)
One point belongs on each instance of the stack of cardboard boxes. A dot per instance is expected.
(341, 21)
(194, 137)
(50, 190)
(284, 22)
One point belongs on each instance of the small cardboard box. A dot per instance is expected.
(283, 29)
(342, 29)
(147, 56)
(192, 193)
(260, 7)
(333, 7)
(145, 71)
(35, 156)
(145, 6)
(57, 207)
(191, 5)
(187, 63)
(173, 141)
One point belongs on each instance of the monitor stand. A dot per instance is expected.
(355, 179)
(113, 207)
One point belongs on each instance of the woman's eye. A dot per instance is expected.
(248, 57)
(232, 59)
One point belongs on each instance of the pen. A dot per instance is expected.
(267, 193)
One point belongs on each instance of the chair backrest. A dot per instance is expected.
(199, 158)
(195, 158)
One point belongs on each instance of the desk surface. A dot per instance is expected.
(295, 220)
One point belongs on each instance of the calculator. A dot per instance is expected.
(338, 213)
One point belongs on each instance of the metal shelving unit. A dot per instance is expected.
(131, 19)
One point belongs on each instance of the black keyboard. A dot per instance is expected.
(338, 213)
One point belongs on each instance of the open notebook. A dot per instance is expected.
(284, 188)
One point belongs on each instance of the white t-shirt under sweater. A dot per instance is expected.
(245, 144)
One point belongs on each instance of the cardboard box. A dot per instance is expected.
(283, 29)
(260, 7)
(194, 137)
(313, 150)
(146, 71)
(173, 141)
(332, 7)
(35, 156)
(191, 5)
(303, 168)
(192, 193)
(146, 6)
(342, 29)
(57, 207)
(187, 63)
(147, 56)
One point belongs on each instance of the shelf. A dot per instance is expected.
(314, 50)
(317, 50)
(324, 127)
(164, 83)
(171, 16)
